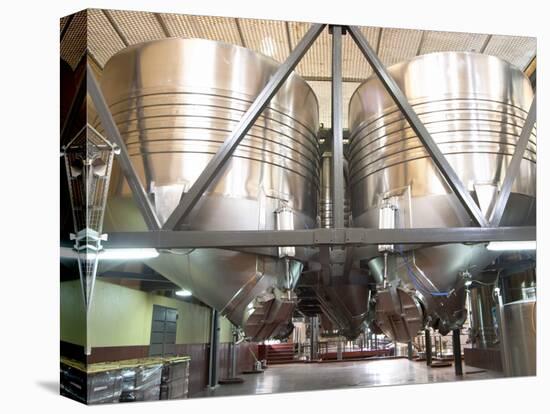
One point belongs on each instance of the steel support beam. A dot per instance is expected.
(74, 109)
(457, 353)
(225, 151)
(315, 237)
(418, 127)
(513, 168)
(337, 130)
(111, 132)
(213, 359)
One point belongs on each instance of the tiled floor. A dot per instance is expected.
(305, 377)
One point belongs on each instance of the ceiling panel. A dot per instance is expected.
(62, 22)
(179, 25)
(322, 90)
(73, 45)
(354, 64)
(103, 40)
(517, 50)
(318, 59)
(137, 27)
(397, 45)
(223, 29)
(267, 37)
(452, 41)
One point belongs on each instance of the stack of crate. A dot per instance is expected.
(175, 378)
(99, 385)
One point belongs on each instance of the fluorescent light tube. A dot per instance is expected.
(128, 254)
(512, 245)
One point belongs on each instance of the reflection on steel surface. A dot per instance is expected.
(474, 106)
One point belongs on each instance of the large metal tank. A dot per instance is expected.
(483, 316)
(518, 323)
(474, 106)
(175, 101)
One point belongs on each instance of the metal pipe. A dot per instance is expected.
(140, 196)
(428, 347)
(513, 168)
(457, 353)
(225, 151)
(213, 359)
(453, 180)
(337, 130)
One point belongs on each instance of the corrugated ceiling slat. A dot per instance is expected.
(397, 45)
(137, 27)
(322, 90)
(223, 29)
(517, 50)
(452, 41)
(179, 25)
(354, 64)
(318, 59)
(103, 40)
(62, 22)
(73, 46)
(267, 37)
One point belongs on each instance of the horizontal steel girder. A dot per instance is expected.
(316, 237)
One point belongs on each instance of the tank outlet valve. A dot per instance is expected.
(386, 220)
(284, 220)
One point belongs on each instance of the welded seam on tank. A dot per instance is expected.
(310, 177)
(368, 128)
(294, 156)
(405, 134)
(241, 148)
(425, 100)
(454, 137)
(422, 102)
(356, 180)
(276, 108)
(313, 160)
(263, 117)
(408, 145)
(354, 162)
(379, 120)
(314, 152)
(420, 147)
(369, 137)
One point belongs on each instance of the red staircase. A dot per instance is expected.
(279, 354)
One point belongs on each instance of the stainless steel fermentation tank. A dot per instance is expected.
(517, 306)
(175, 101)
(474, 106)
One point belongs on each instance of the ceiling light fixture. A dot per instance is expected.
(512, 245)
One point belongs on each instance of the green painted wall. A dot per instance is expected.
(121, 316)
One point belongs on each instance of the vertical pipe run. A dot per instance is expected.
(457, 351)
(213, 359)
(313, 338)
(428, 347)
(337, 130)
